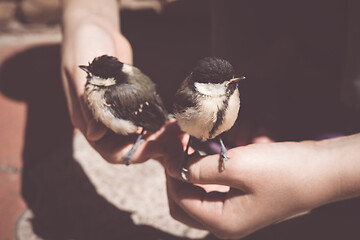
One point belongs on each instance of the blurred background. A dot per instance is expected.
(54, 186)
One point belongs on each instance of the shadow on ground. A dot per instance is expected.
(64, 202)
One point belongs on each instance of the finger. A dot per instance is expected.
(148, 150)
(112, 147)
(205, 169)
(173, 129)
(205, 208)
(73, 102)
(95, 130)
(227, 215)
(262, 139)
(164, 142)
(160, 148)
(82, 119)
(180, 215)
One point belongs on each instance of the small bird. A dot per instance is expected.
(123, 98)
(207, 103)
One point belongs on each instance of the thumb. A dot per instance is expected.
(206, 169)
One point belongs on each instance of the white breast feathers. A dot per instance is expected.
(94, 97)
(199, 121)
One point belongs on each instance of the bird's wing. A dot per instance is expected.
(185, 98)
(131, 102)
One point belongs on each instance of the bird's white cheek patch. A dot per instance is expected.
(102, 82)
(210, 89)
(128, 69)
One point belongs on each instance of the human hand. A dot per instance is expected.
(262, 184)
(90, 29)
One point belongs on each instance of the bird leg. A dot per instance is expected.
(184, 169)
(223, 156)
(137, 143)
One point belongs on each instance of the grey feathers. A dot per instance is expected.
(122, 97)
(131, 102)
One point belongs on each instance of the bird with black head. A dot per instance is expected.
(207, 103)
(123, 98)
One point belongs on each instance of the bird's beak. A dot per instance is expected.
(85, 68)
(235, 80)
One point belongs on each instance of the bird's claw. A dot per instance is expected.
(127, 158)
(223, 158)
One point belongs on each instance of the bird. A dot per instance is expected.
(207, 104)
(123, 98)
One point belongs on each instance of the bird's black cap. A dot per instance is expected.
(212, 70)
(105, 67)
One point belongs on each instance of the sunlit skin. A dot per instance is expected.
(299, 175)
(263, 184)
(91, 29)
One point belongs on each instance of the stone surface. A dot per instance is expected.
(139, 189)
(12, 129)
(72, 194)
(75, 194)
(11, 203)
(7, 11)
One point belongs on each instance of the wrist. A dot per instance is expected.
(316, 177)
(344, 155)
(311, 179)
(332, 171)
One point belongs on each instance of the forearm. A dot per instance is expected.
(104, 12)
(332, 171)
(278, 180)
(344, 153)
